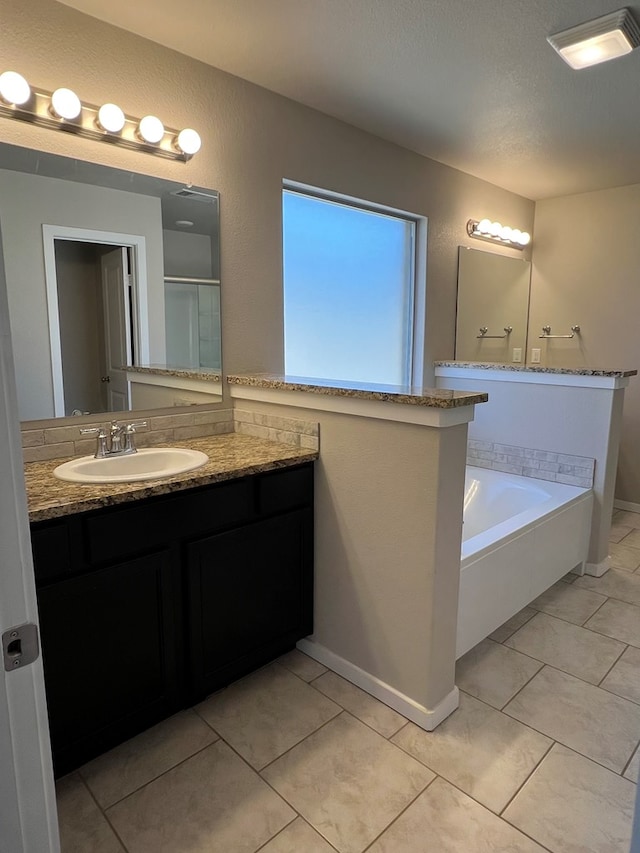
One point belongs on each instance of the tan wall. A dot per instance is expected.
(586, 266)
(252, 140)
(388, 512)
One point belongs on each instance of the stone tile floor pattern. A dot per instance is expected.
(542, 754)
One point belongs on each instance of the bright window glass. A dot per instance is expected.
(348, 291)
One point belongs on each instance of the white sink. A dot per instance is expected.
(147, 464)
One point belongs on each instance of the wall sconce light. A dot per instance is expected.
(494, 232)
(597, 41)
(14, 89)
(63, 110)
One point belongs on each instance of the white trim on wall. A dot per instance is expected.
(628, 505)
(137, 243)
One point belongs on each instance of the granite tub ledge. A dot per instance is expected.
(439, 398)
(230, 456)
(203, 373)
(537, 368)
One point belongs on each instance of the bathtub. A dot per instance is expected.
(519, 536)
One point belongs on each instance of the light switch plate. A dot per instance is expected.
(535, 355)
(517, 354)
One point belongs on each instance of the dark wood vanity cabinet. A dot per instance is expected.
(246, 597)
(148, 607)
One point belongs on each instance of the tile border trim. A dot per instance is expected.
(530, 462)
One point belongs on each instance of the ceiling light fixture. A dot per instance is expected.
(608, 37)
(495, 232)
(63, 110)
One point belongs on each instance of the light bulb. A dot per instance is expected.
(151, 129)
(111, 118)
(516, 234)
(524, 239)
(188, 141)
(495, 229)
(65, 104)
(484, 226)
(14, 89)
(505, 233)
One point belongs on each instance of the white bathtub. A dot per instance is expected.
(520, 535)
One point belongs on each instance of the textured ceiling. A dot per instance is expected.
(471, 83)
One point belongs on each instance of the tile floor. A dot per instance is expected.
(542, 754)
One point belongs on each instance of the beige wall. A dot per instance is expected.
(388, 513)
(586, 269)
(252, 140)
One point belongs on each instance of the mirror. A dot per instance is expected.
(108, 270)
(492, 307)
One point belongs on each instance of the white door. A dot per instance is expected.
(117, 327)
(28, 818)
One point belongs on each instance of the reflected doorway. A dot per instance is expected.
(93, 296)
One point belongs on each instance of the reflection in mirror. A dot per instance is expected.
(493, 306)
(106, 270)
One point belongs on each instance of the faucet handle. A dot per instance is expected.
(129, 431)
(101, 435)
(97, 431)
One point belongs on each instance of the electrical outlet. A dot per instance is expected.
(517, 354)
(535, 355)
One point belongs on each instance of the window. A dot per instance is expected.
(349, 290)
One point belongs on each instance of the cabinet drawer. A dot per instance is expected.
(51, 551)
(285, 490)
(123, 532)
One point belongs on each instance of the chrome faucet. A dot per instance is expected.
(119, 441)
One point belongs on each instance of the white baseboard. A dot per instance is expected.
(632, 507)
(596, 570)
(426, 718)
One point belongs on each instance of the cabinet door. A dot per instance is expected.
(109, 653)
(250, 597)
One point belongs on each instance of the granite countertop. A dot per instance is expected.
(439, 398)
(209, 374)
(536, 368)
(230, 456)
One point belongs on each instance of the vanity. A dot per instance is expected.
(152, 595)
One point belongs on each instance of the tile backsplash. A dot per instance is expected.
(304, 434)
(54, 442)
(529, 462)
(61, 441)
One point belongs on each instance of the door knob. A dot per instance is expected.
(105, 379)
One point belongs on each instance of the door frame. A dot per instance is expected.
(28, 815)
(138, 271)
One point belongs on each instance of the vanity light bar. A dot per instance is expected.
(63, 110)
(495, 232)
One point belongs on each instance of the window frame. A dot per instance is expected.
(416, 319)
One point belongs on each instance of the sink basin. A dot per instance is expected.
(147, 464)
